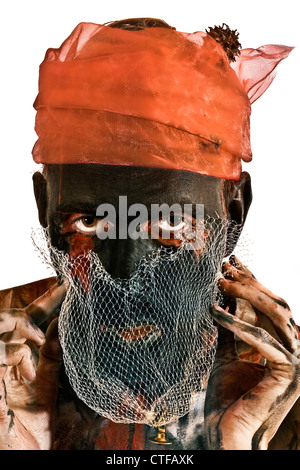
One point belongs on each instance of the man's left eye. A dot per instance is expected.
(176, 224)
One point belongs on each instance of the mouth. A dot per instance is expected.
(137, 336)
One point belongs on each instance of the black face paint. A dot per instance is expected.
(141, 349)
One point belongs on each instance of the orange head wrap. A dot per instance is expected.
(155, 97)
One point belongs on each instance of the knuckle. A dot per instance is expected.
(10, 312)
(288, 373)
(17, 351)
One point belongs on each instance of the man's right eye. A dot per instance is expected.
(89, 225)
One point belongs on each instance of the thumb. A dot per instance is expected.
(50, 356)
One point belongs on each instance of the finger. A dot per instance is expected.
(226, 351)
(277, 310)
(244, 311)
(235, 262)
(50, 356)
(18, 355)
(17, 323)
(236, 271)
(44, 306)
(256, 337)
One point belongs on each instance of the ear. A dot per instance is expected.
(238, 196)
(40, 193)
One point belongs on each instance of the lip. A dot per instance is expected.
(138, 335)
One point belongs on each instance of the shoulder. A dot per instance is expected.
(21, 296)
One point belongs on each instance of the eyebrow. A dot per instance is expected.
(70, 209)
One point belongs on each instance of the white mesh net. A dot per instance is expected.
(141, 349)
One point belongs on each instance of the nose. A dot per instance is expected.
(121, 257)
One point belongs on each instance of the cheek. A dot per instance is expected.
(80, 243)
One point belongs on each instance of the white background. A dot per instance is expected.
(29, 27)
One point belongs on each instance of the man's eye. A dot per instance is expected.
(172, 226)
(86, 224)
(91, 225)
(89, 221)
(178, 229)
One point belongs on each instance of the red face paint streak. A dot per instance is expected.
(114, 436)
(138, 442)
(80, 244)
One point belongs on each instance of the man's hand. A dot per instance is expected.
(247, 401)
(28, 392)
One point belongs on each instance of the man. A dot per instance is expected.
(137, 110)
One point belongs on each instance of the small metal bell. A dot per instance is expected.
(161, 437)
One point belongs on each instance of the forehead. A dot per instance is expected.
(89, 185)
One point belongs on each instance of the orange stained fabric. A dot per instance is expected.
(155, 98)
(256, 68)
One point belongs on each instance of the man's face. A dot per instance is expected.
(137, 335)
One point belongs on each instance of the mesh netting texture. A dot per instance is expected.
(141, 349)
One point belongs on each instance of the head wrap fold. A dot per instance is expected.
(155, 98)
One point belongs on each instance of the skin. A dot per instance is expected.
(29, 416)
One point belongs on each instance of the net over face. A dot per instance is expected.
(137, 311)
